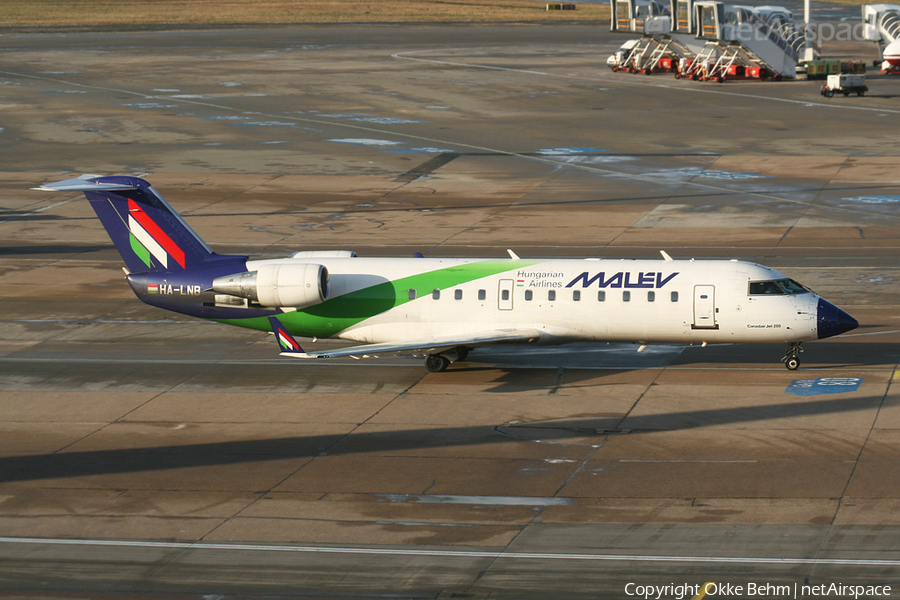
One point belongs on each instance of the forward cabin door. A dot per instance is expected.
(505, 294)
(705, 307)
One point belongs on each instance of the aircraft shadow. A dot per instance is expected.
(65, 465)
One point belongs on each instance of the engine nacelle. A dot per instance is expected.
(282, 285)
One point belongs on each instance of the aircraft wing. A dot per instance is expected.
(289, 346)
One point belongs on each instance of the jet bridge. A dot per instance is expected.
(882, 25)
(726, 37)
(765, 37)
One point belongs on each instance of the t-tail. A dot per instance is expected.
(146, 231)
(168, 265)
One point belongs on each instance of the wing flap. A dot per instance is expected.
(289, 347)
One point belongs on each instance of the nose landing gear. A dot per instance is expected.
(791, 358)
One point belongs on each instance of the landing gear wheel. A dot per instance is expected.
(791, 360)
(435, 363)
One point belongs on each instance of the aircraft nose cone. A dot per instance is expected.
(833, 321)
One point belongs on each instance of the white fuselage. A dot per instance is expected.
(646, 301)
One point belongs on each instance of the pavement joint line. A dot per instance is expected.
(452, 553)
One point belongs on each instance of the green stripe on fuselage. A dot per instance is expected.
(337, 314)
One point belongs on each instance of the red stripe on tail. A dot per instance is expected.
(156, 233)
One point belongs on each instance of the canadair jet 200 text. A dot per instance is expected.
(442, 308)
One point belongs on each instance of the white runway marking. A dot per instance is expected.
(39, 210)
(454, 553)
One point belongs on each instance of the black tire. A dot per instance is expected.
(462, 353)
(435, 363)
(829, 93)
(861, 93)
(846, 94)
(792, 363)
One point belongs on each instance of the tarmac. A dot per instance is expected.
(145, 454)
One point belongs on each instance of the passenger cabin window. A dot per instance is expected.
(626, 296)
(551, 295)
(776, 287)
(576, 296)
(529, 294)
(504, 295)
(601, 296)
(457, 294)
(436, 294)
(412, 294)
(651, 296)
(482, 294)
(674, 296)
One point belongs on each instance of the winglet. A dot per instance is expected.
(288, 345)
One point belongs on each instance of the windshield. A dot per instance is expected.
(776, 286)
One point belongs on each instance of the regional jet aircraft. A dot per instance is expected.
(443, 307)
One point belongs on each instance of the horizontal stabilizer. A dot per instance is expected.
(85, 183)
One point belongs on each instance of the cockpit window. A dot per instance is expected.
(776, 286)
(792, 287)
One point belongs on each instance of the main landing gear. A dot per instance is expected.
(438, 363)
(791, 358)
